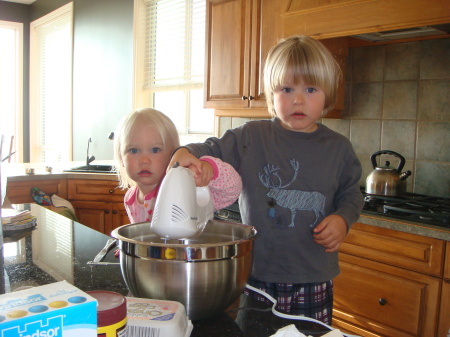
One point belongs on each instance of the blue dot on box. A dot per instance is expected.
(38, 308)
(77, 299)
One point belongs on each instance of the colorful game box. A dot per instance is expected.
(54, 310)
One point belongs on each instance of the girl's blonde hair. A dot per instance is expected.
(305, 59)
(125, 129)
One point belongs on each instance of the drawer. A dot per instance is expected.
(19, 192)
(95, 190)
(385, 300)
(409, 251)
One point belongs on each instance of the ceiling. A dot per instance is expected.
(26, 2)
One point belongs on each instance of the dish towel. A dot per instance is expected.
(55, 203)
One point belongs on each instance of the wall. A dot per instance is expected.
(103, 67)
(398, 99)
(102, 73)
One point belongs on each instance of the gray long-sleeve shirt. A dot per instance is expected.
(291, 181)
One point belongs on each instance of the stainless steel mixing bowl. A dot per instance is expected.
(206, 274)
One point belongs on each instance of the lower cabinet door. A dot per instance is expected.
(94, 214)
(375, 299)
(444, 318)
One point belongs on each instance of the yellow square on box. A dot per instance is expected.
(53, 310)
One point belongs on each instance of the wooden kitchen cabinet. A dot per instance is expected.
(339, 48)
(239, 34)
(327, 19)
(101, 216)
(19, 192)
(444, 316)
(98, 204)
(390, 283)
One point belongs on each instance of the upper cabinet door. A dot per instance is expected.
(239, 34)
(227, 53)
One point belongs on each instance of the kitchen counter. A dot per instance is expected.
(15, 172)
(59, 249)
(436, 232)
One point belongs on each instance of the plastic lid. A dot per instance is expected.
(112, 307)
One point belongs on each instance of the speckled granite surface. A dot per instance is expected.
(59, 249)
(435, 232)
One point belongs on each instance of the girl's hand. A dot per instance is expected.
(331, 232)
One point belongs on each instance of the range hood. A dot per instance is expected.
(407, 33)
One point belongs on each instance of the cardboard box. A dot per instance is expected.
(54, 310)
(147, 317)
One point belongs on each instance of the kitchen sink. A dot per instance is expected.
(92, 169)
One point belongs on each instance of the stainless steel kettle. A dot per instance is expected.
(387, 180)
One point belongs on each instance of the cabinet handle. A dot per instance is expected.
(244, 98)
(382, 301)
(106, 211)
(114, 212)
(249, 98)
(111, 191)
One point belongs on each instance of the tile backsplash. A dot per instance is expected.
(397, 98)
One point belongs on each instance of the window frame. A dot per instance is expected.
(36, 125)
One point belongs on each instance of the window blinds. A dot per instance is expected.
(175, 43)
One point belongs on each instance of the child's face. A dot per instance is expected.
(145, 158)
(299, 106)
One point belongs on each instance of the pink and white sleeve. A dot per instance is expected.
(226, 184)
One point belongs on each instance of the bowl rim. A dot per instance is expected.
(174, 243)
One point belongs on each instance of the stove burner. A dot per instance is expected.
(411, 206)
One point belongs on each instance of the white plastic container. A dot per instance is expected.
(147, 317)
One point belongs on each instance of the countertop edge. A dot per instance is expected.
(431, 231)
(64, 175)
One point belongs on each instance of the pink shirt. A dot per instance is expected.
(225, 187)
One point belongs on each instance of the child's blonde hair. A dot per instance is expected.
(305, 59)
(125, 128)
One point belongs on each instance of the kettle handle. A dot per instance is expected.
(395, 154)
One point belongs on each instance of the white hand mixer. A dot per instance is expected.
(182, 210)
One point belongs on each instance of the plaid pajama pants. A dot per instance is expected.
(314, 300)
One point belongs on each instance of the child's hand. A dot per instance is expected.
(186, 159)
(202, 170)
(203, 177)
(331, 232)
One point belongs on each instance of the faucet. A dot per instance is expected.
(91, 158)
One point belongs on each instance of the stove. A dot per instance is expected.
(410, 207)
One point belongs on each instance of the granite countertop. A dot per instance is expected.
(59, 249)
(436, 232)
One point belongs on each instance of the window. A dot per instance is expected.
(170, 46)
(11, 60)
(51, 87)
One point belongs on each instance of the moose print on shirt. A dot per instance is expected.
(294, 200)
